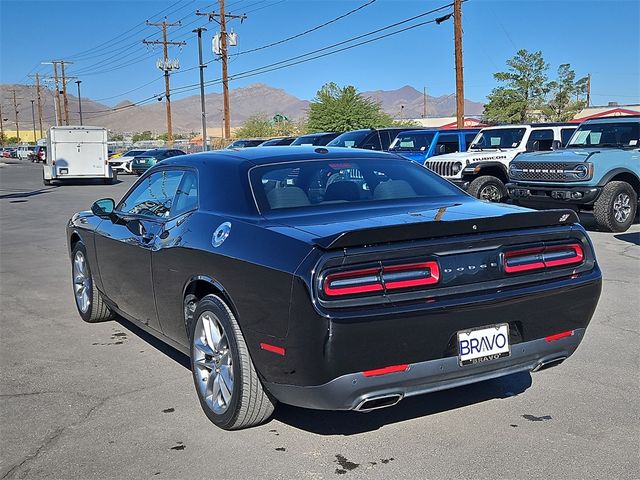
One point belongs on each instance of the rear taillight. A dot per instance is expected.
(538, 258)
(378, 279)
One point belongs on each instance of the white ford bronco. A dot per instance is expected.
(483, 169)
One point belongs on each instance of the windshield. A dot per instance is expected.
(412, 142)
(335, 184)
(349, 139)
(622, 134)
(306, 140)
(498, 138)
(245, 143)
(133, 153)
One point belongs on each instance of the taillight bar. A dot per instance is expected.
(537, 258)
(356, 281)
(381, 278)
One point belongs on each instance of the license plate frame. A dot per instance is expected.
(495, 353)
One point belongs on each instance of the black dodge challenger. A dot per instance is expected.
(331, 278)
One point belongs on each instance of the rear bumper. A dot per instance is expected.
(352, 391)
(553, 195)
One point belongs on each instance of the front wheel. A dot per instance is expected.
(616, 207)
(227, 384)
(488, 188)
(89, 302)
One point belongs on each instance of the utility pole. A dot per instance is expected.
(424, 102)
(15, 108)
(64, 92)
(1, 126)
(78, 82)
(33, 118)
(199, 31)
(166, 66)
(457, 28)
(588, 90)
(56, 100)
(39, 104)
(222, 18)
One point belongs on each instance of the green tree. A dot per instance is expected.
(13, 140)
(258, 125)
(146, 135)
(563, 101)
(338, 109)
(116, 137)
(522, 95)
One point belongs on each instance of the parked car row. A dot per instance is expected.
(139, 161)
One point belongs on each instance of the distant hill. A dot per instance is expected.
(405, 102)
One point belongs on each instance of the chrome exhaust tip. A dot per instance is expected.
(376, 403)
(549, 363)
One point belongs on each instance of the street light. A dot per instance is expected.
(78, 82)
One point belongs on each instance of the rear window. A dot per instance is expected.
(327, 183)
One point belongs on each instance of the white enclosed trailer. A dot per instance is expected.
(75, 152)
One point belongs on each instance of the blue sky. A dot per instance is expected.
(598, 37)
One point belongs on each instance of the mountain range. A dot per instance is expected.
(405, 103)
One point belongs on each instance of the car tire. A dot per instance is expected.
(489, 188)
(216, 364)
(91, 307)
(616, 207)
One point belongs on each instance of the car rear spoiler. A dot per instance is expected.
(439, 228)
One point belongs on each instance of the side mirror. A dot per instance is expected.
(103, 207)
(556, 145)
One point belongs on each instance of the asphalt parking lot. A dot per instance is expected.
(108, 401)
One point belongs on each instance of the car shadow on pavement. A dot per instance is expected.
(631, 237)
(159, 345)
(351, 423)
(324, 422)
(26, 194)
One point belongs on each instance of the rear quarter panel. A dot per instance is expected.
(254, 267)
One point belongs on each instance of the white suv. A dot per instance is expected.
(483, 170)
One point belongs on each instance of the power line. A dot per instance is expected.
(298, 59)
(317, 27)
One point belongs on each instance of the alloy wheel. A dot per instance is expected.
(81, 282)
(622, 207)
(213, 364)
(490, 192)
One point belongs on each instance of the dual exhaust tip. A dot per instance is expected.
(376, 403)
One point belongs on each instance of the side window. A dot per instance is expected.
(154, 196)
(387, 137)
(565, 135)
(372, 142)
(544, 139)
(447, 143)
(186, 198)
(468, 138)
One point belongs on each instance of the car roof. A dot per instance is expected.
(444, 130)
(278, 154)
(317, 134)
(621, 118)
